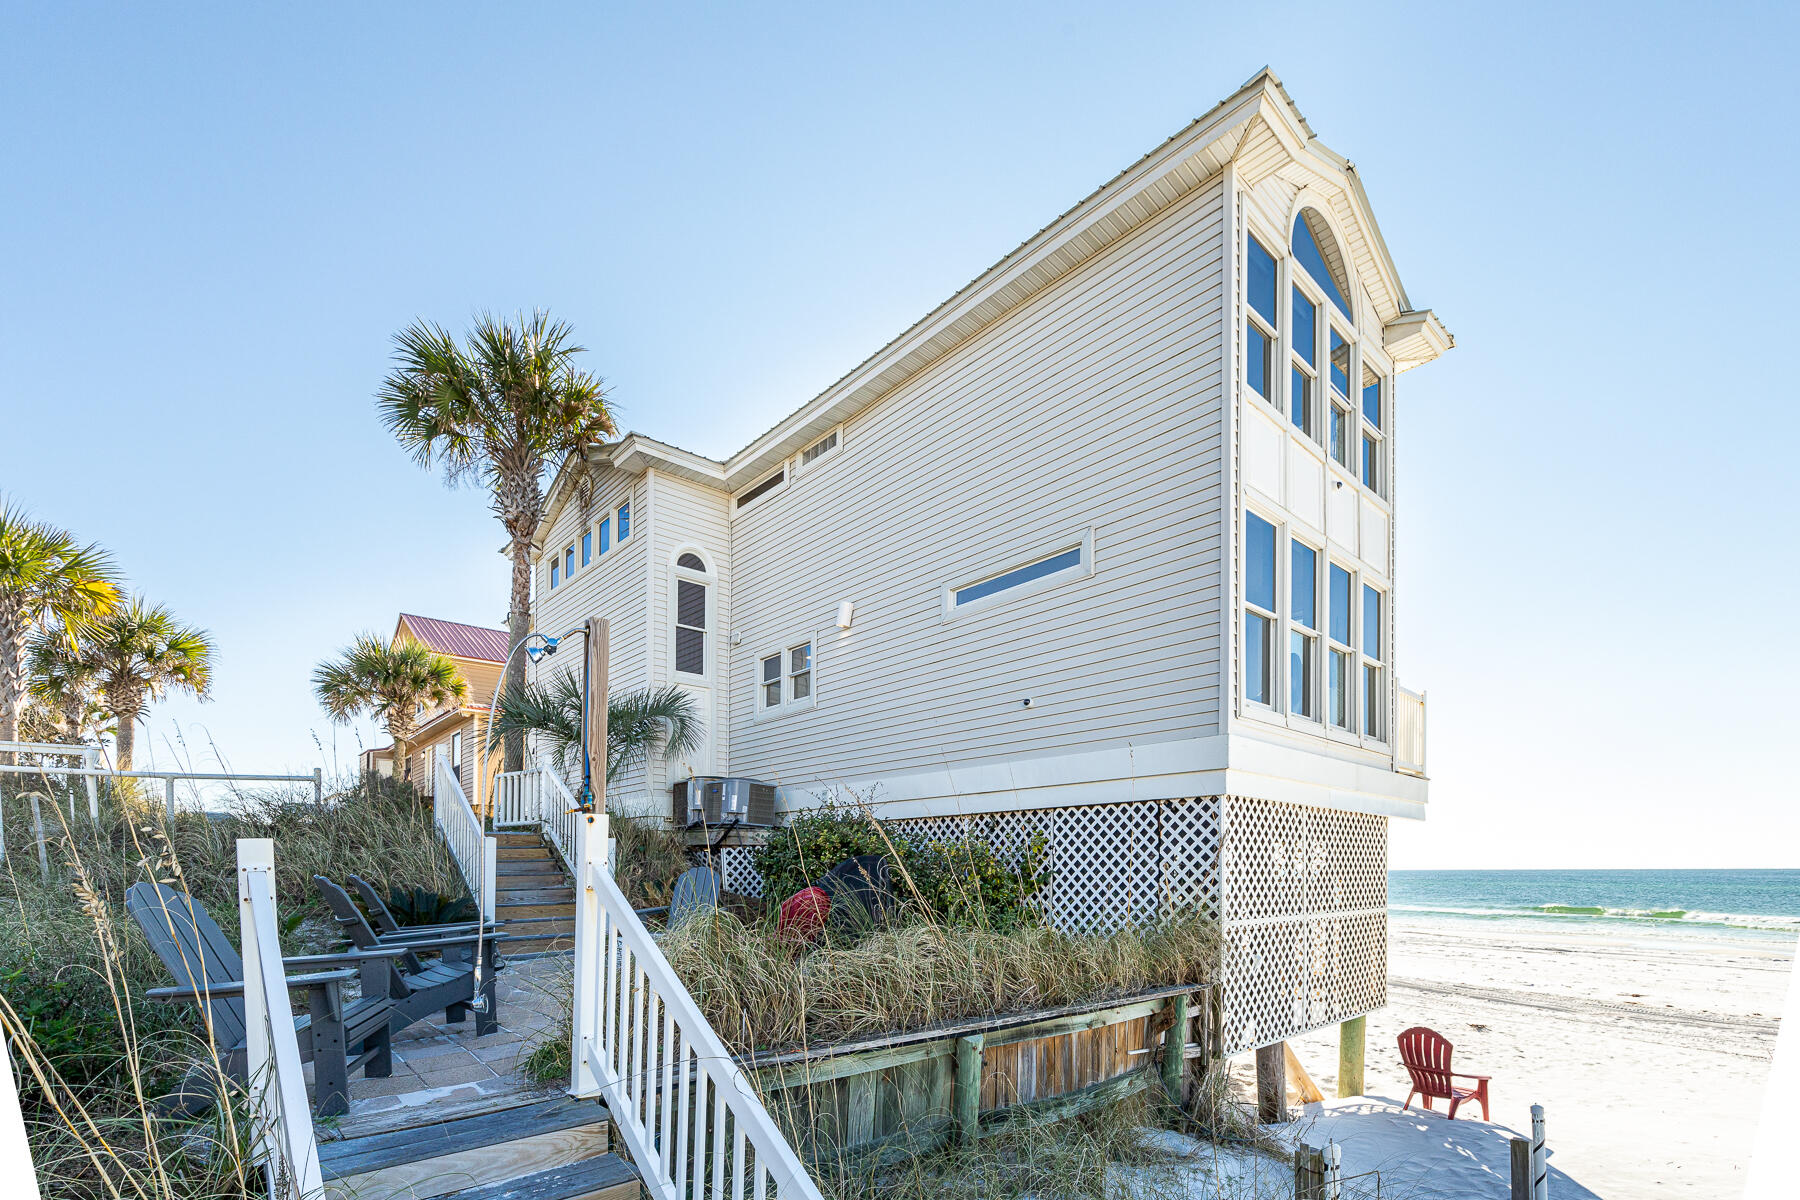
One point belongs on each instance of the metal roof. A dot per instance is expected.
(457, 639)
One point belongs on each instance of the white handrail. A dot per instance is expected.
(90, 766)
(475, 853)
(1409, 739)
(286, 1144)
(672, 1087)
(538, 797)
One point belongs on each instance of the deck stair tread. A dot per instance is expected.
(357, 1156)
(577, 1181)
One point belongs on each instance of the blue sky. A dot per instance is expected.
(212, 219)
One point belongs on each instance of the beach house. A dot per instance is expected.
(1102, 548)
(454, 731)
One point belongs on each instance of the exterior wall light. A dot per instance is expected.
(846, 613)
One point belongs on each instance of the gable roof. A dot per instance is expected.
(1259, 123)
(456, 639)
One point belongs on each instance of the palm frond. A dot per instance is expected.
(663, 720)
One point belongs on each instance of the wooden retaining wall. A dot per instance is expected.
(912, 1090)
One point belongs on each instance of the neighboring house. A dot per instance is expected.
(1103, 546)
(456, 730)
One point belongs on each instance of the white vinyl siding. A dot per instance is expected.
(1096, 403)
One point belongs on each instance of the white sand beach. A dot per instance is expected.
(1648, 1051)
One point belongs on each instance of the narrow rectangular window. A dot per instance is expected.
(605, 535)
(1372, 622)
(1261, 284)
(1371, 463)
(1340, 605)
(690, 627)
(1342, 667)
(771, 681)
(1303, 652)
(1338, 687)
(800, 671)
(624, 521)
(555, 574)
(1303, 586)
(456, 752)
(1340, 432)
(819, 449)
(1303, 614)
(1300, 400)
(1374, 701)
(1306, 328)
(587, 547)
(1258, 351)
(767, 485)
(1371, 397)
(1066, 560)
(1340, 363)
(569, 562)
(1259, 609)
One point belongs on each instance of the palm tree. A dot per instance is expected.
(138, 653)
(663, 719)
(47, 581)
(64, 689)
(497, 410)
(392, 683)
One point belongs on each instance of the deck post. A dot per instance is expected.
(1351, 1037)
(1271, 1084)
(91, 762)
(588, 994)
(1521, 1169)
(968, 1086)
(169, 796)
(318, 785)
(1174, 1056)
(37, 832)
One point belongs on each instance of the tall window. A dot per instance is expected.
(1342, 417)
(1259, 610)
(569, 562)
(605, 534)
(1303, 630)
(1343, 655)
(690, 618)
(624, 520)
(555, 574)
(456, 752)
(587, 547)
(1259, 322)
(1302, 394)
(1374, 695)
(1372, 432)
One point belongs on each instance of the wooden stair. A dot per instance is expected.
(532, 894)
(548, 1150)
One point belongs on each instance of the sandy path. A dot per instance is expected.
(1649, 1054)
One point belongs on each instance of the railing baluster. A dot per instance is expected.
(667, 1091)
(718, 1140)
(738, 1162)
(683, 1121)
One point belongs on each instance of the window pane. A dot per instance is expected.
(1262, 281)
(1340, 433)
(1307, 237)
(690, 651)
(1303, 586)
(1300, 674)
(1374, 703)
(772, 482)
(771, 694)
(1300, 400)
(587, 547)
(1339, 689)
(568, 562)
(1372, 623)
(624, 521)
(1340, 363)
(691, 562)
(800, 658)
(1371, 464)
(1025, 574)
(555, 574)
(1306, 327)
(1371, 399)
(1256, 658)
(803, 685)
(1257, 353)
(771, 667)
(1259, 562)
(605, 535)
(690, 604)
(1340, 604)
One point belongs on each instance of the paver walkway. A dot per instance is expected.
(443, 1071)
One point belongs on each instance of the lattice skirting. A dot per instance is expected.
(1305, 901)
(1110, 864)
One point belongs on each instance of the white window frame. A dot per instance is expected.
(739, 506)
(1276, 339)
(1350, 405)
(1314, 634)
(1292, 361)
(1277, 649)
(1364, 660)
(1084, 541)
(783, 652)
(802, 467)
(710, 580)
(622, 517)
(1351, 731)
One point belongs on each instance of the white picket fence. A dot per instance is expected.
(476, 854)
(285, 1143)
(689, 1116)
(538, 798)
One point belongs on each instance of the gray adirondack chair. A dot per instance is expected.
(209, 972)
(418, 987)
(388, 929)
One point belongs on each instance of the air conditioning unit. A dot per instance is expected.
(717, 800)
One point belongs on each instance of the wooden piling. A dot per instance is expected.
(1271, 1084)
(1521, 1169)
(968, 1087)
(1351, 1038)
(1174, 1058)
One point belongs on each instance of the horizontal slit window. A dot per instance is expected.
(819, 449)
(1062, 561)
(766, 486)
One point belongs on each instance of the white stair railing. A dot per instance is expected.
(476, 854)
(686, 1111)
(538, 798)
(285, 1143)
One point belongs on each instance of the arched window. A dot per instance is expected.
(1318, 253)
(691, 561)
(690, 616)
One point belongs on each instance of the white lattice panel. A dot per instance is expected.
(737, 874)
(1305, 904)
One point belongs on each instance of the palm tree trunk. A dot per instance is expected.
(518, 624)
(401, 730)
(13, 633)
(125, 737)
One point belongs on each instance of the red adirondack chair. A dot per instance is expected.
(1426, 1054)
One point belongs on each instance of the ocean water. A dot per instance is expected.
(1749, 906)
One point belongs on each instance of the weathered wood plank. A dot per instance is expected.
(968, 1086)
